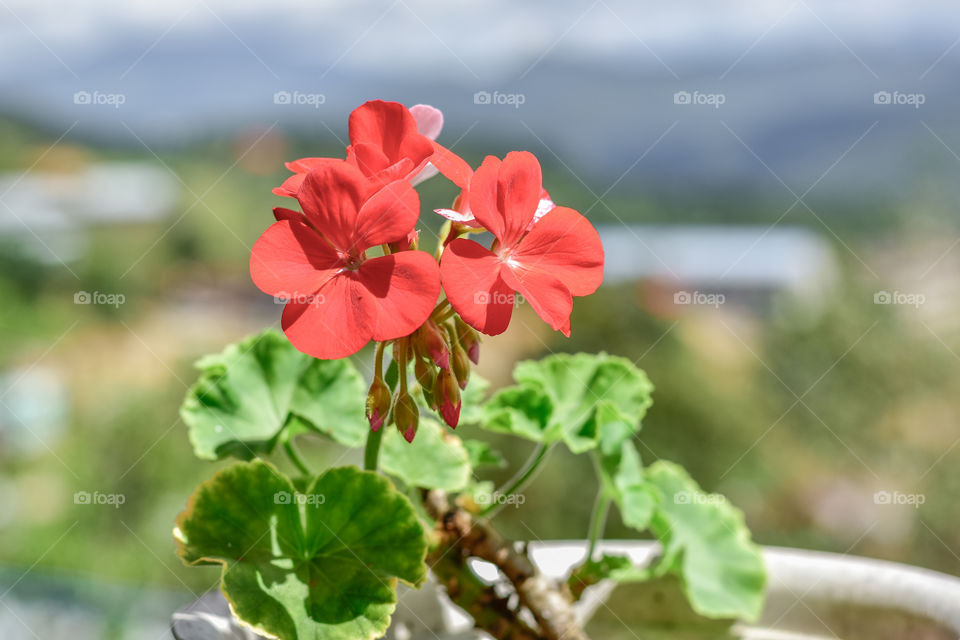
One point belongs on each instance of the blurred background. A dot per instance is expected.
(776, 183)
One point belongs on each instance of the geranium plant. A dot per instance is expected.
(319, 554)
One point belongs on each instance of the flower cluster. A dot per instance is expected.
(349, 265)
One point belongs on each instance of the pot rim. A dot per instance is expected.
(810, 577)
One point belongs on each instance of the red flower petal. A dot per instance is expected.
(282, 213)
(453, 167)
(300, 168)
(290, 260)
(331, 196)
(471, 279)
(546, 294)
(564, 244)
(306, 165)
(483, 196)
(290, 186)
(335, 323)
(391, 128)
(504, 195)
(403, 289)
(519, 185)
(388, 216)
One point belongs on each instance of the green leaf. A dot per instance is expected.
(706, 542)
(436, 459)
(321, 564)
(483, 455)
(519, 411)
(472, 400)
(570, 398)
(248, 393)
(621, 472)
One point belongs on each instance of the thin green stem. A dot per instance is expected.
(295, 458)
(598, 520)
(371, 451)
(442, 307)
(401, 355)
(520, 480)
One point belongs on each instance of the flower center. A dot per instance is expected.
(352, 261)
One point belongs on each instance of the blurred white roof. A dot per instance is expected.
(48, 210)
(719, 257)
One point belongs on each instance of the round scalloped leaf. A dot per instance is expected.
(436, 459)
(570, 398)
(319, 564)
(247, 394)
(706, 542)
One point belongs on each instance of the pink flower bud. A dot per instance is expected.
(469, 339)
(446, 394)
(378, 404)
(431, 342)
(407, 416)
(461, 366)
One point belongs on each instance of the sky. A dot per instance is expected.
(597, 79)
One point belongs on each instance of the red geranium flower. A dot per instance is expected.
(338, 298)
(387, 142)
(548, 261)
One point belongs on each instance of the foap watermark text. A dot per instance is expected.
(899, 297)
(498, 98)
(699, 298)
(715, 100)
(99, 298)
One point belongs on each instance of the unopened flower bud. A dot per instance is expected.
(446, 394)
(378, 404)
(461, 365)
(469, 339)
(426, 375)
(424, 372)
(406, 416)
(431, 342)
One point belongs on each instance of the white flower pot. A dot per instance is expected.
(810, 596)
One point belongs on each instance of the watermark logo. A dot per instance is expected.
(98, 98)
(299, 98)
(285, 497)
(714, 100)
(97, 498)
(99, 298)
(897, 498)
(498, 98)
(514, 499)
(899, 297)
(496, 297)
(898, 98)
(697, 497)
(699, 298)
(284, 297)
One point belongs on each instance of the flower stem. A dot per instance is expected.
(598, 520)
(371, 451)
(520, 480)
(295, 458)
(441, 309)
(601, 508)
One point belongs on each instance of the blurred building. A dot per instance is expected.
(712, 265)
(43, 214)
